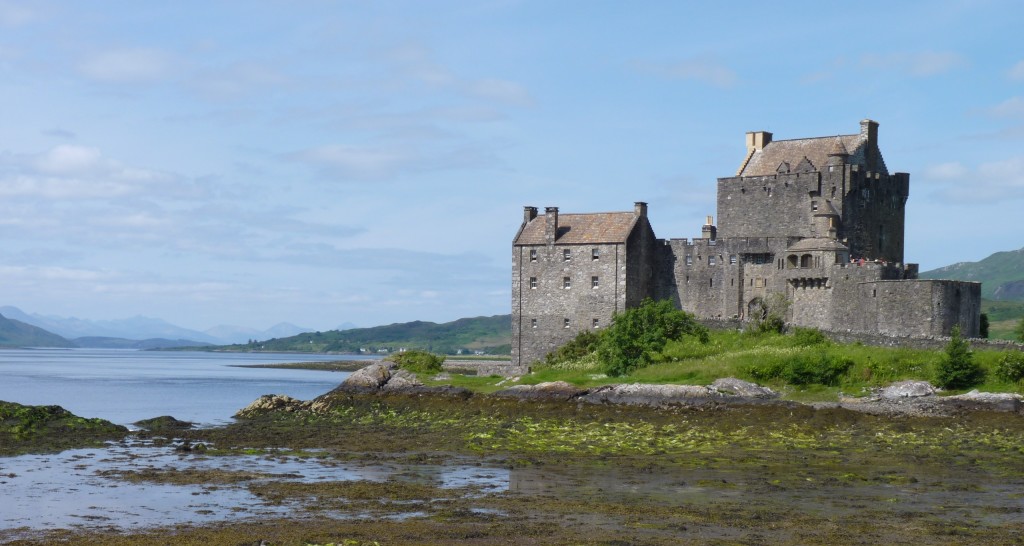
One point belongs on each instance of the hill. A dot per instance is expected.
(492, 335)
(14, 333)
(144, 344)
(1001, 275)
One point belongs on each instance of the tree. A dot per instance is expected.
(635, 334)
(957, 369)
(983, 326)
(770, 315)
(1020, 330)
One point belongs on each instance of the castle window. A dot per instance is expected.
(711, 283)
(597, 323)
(805, 260)
(533, 323)
(566, 283)
(711, 260)
(566, 255)
(533, 254)
(792, 260)
(533, 283)
(565, 323)
(689, 260)
(874, 293)
(732, 282)
(814, 205)
(595, 254)
(595, 282)
(732, 259)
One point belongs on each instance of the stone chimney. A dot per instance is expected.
(869, 136)
(757, 140)
(709, 231)
(640, 209)
(529, 213)
(550, 225)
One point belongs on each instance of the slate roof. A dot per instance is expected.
(765, 162)
(816, 243)
(593, 228)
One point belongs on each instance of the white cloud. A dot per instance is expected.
(920, 64)
(991, 182)
(1016, 72)
(130, 65)
(502, 91)
(14, 14)
(703, 69)
(1012, 107)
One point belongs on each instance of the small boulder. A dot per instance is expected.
(164, 422)
(908, 389)
(730, 386)
(402, 380)
(371, 377)
(271, 402)
(995, 401)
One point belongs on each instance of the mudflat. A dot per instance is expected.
(566, 472)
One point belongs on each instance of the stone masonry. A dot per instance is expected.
(818, 220)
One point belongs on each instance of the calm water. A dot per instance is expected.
(125, 386)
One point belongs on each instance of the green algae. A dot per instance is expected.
(28, 429)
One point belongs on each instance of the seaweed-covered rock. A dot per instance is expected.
(164, 422)
(271, 402)
(731, 386)
(556, 390)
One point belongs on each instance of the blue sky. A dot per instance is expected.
(326, 162)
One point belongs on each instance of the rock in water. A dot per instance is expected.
(164, 422)
(271, 402)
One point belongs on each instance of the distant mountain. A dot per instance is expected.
(346, 326)
(15, 333)
(138, 327)
(1001, 275)
(145, 344)
(492, 335)
(227, 334)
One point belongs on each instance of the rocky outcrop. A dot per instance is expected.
(271, 402)
(401, 380)
(372, 377)
(730, 386)
(636, 394)
(907, 389)
(557, 390)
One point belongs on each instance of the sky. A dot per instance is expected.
(320, 163)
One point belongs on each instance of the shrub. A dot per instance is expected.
(582, 345)
(817, 367)
(1019, 331)
(635, 334)
(807, 337)
(1010, 366)
(417, 361)
(957, 368)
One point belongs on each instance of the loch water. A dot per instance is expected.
(124, 386)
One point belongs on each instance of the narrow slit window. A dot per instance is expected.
(533, 323)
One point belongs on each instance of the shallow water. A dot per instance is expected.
(125, 386)
(80, 487)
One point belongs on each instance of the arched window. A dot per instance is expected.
(793, 261)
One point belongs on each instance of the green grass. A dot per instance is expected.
(754, 357)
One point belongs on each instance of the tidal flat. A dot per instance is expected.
(432, 469)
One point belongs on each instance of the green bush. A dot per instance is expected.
(582, 345)
(957, 368)
(809, 368)
(636, 334)
(807, 337)
(1010, 367)
(417, 361)
(1019, 330)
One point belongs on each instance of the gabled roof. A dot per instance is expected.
(766, 161)
(593, 228)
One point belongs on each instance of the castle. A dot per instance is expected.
(817, 220)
